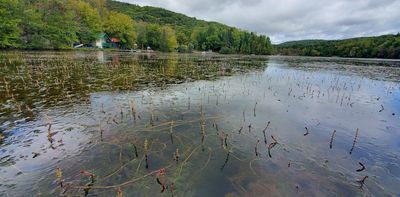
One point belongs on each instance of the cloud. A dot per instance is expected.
(294, 19)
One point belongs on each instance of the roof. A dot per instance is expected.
(102, 35)
(115, 40)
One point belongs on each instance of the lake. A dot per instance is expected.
(120, 123)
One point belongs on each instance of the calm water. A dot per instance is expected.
(208, 120)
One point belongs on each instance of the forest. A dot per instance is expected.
(385, 46)
(62, 24)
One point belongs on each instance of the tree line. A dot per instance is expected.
(61, 24)
(386, 46)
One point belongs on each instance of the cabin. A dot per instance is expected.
(104, 41)
(115, 43)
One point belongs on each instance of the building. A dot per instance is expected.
(115, 43)
(104, 41)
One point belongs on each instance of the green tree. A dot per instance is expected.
(89, 21)
(168, 41)
(9, 30)
(121, 26)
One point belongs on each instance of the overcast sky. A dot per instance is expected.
(287, 20)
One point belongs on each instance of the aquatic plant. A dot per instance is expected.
(226, 159)
(256, 148)
(305, 134)
(161, 173)
(254, 110)
(240, 130)
(50, 135)
(264, 132)
(332, 137)
(362, 167)
(88, 174)
(272, 145)
(362, 181)
(354, 142)
(119, 192)
(382, 108)
(176, 155)
(59, 177)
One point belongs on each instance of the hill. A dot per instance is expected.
(62, 24)
(385, 46)
(191, 32)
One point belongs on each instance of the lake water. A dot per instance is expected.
(83, 123)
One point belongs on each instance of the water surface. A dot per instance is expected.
(212, 110)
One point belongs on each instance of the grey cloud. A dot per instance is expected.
(294, 19)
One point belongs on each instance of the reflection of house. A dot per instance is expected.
(104, 41)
